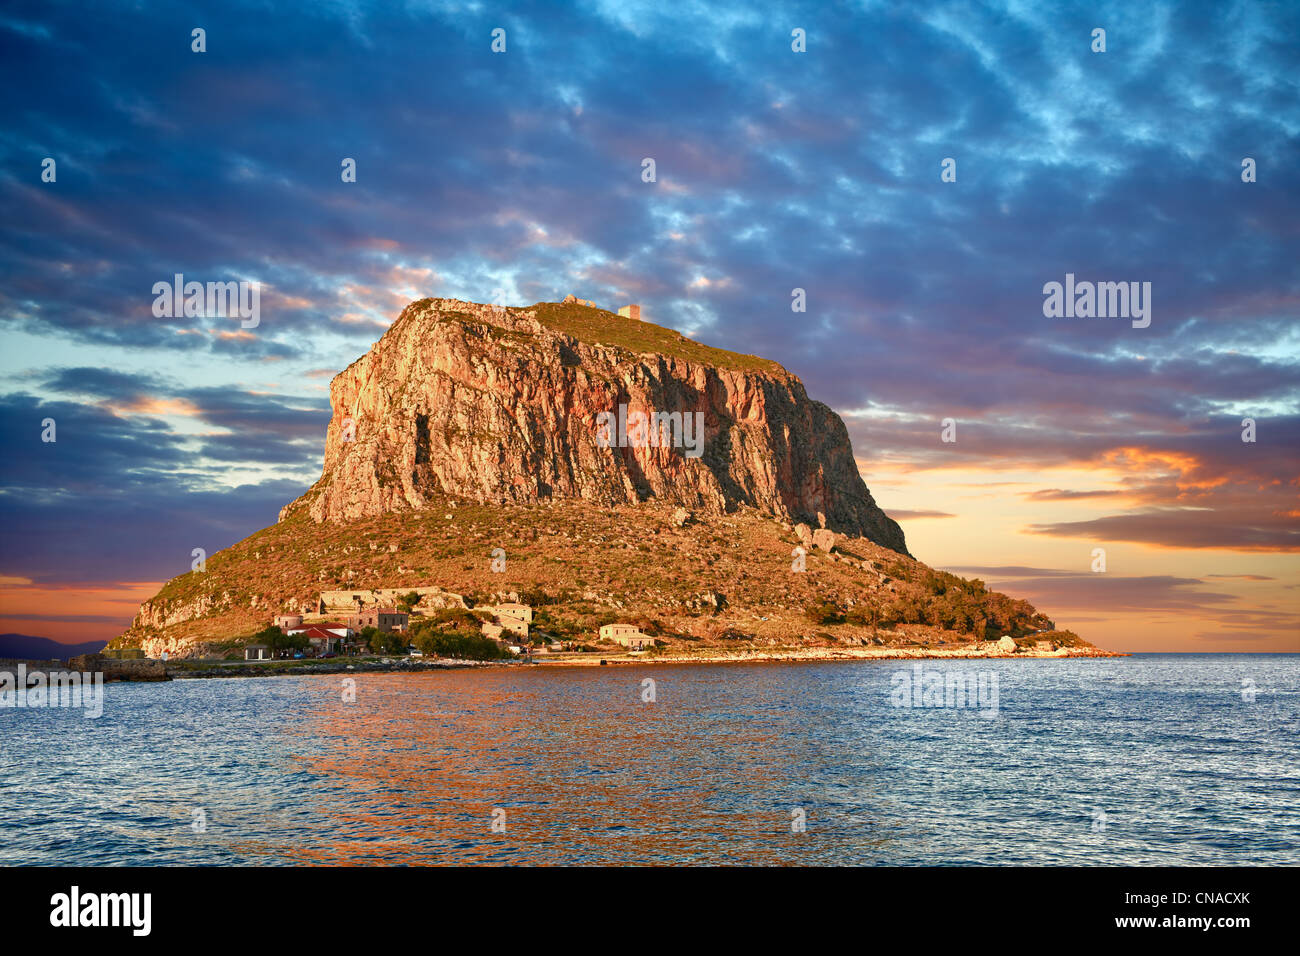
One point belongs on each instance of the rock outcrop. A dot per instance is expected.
(823, 539)
(503, 405)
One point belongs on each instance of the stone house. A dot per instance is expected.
(628, 635)
(381, 618)
(286, 621)
(497, 634)
(631, 312)
(515, 618)
(521, 611)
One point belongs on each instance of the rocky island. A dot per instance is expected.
(467, 455)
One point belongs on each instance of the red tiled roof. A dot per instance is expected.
(314, 631)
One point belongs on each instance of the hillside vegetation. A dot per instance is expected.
(600, 327)
(719, 581)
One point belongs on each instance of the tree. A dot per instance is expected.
(366, 635)
(454, 633)
(426, 642)
(270, 635)
(387, 642)
(459, 644)
(275, 638)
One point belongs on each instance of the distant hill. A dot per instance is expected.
(26, 647)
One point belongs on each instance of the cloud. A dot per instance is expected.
(118, 498)
(1153, 596)
(1186, 528)
(1060, 494)
(1147, 593)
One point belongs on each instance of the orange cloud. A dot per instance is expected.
(148, 405)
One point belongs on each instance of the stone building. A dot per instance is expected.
(627, 635)
(381, 618)
(345, 602)
(515, 618)
(631, 312)
(521, 611)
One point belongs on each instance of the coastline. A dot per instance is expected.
(810, 654)
(196, 671)
(154, 671)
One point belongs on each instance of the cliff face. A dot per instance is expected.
(498, 405)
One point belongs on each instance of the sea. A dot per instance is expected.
(1146, 760)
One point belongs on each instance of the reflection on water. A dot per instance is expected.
(1163, 749)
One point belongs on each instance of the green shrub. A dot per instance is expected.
(824, 611)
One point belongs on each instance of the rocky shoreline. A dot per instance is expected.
(796, 655)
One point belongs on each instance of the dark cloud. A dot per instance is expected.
(139, 530)
(120, 498)
(261, 429)
(1067, 590)
(93, 449)
(1187, 528)
(1159, 597)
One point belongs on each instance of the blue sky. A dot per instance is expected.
(518, 174)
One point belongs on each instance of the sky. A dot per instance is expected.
(518, 176)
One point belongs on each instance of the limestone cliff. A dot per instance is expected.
(501, 405)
